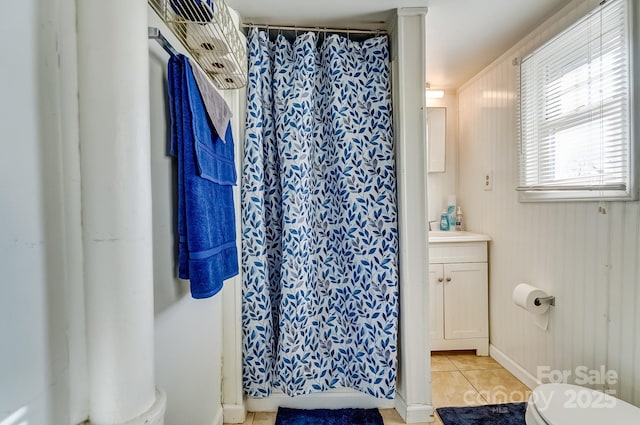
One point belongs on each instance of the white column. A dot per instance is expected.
(116, 211)
(413, 400)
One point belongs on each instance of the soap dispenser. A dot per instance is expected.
(459, 223)
(444, 221)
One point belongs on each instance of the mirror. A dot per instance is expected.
(436, 138)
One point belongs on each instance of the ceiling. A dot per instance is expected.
(463, 36)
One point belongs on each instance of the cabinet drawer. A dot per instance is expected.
(458, 252)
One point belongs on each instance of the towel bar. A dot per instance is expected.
(155, 34)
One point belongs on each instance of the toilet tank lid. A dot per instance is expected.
(561, 404)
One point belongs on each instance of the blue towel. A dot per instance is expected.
(215, 160)
(206, 175)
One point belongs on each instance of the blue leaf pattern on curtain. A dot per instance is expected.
(319, 215)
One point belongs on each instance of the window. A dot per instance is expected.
(575, 111)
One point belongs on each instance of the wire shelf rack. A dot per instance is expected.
(211, 35)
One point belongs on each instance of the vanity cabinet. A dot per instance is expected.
(459, 293)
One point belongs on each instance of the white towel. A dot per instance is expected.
(217, 109)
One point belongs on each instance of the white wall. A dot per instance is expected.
(189, 360)
(167, 287)
(440, 185)
(588, 260)
(42, 360)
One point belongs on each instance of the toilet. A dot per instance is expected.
(566, 404)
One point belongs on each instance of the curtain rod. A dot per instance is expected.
(315, 29)
(155, 34)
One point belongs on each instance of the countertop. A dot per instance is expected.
(438, 236)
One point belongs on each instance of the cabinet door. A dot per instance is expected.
(466, 301)
(436, 279)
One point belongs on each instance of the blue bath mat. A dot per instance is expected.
(492, 414)
(288, 416)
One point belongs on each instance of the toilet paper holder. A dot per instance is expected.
(551, 300)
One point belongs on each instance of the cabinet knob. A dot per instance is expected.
(440, 279)
(448, 279)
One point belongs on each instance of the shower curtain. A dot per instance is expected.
(319, 216)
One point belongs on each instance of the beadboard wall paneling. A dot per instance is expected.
(587, 259)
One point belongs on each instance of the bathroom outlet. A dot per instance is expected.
(487, 183)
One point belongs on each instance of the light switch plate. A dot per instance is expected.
(487, 182)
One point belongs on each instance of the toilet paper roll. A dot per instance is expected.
(203, 38)
(524, 295)
(219, 64)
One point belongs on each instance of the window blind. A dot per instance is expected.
(574, 111)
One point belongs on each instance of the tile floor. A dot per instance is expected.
(459, 378)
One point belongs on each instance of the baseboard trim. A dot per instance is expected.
(516, 370)
(219, 419)
(334, 399)
(481, 345)
(234, 413)
(415, 413)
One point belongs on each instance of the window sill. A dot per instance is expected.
(576, 196)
